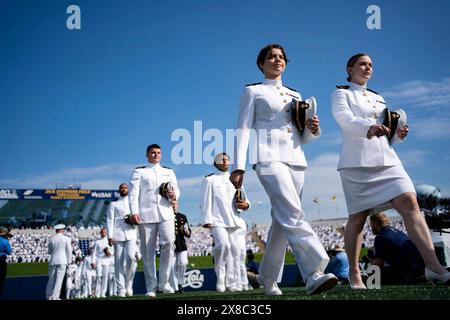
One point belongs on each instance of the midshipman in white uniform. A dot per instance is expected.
(123, 235)
(152, 188)
(280, 165)
(220, 213)
(60, 251)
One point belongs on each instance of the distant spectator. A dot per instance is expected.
(252, 270)
(5, 249)
(338, 264)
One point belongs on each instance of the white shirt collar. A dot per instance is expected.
(356, 86)
(273, 82)
(222, 173)
(152, 165)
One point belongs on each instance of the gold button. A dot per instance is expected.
(373, 107)
(289, 130)
(368, 101)
(278, 88)
(364, 94)
(284, 100)
(281, 93)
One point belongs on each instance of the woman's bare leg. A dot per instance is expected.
(353, 238)
(416, 226)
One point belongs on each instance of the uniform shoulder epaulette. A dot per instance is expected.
(290, 88)
(167, 167)
(343, 87)
(253, 84)
(140, 167)
(208, 175)
(372, 91)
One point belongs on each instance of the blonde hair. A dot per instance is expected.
(381, 219)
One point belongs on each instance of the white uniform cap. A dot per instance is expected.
(60, 226)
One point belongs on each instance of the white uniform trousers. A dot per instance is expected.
(130, 280)
(148, 233)
(181, 261)
(239, 262)
(225, 253)
(284, 186)
(112, 288)
(124, 254)
(87, 284)
(101, 283)
(178, 269)
(55, 279)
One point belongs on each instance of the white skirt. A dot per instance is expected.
(374, 187)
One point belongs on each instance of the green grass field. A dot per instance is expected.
(40, 268)
(341, 292)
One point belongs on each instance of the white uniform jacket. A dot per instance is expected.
(99, 256)
(117, 228)
(266, 108)
(144, 193)
(356, 109)
(217, 202)
(60, 250)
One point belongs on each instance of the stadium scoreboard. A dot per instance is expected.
(58, 194)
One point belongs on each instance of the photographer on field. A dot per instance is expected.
(393, 247)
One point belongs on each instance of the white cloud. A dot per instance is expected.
(420, 93)
(331, 139)
(323, 182)
(99, 177)
(432, 128)
(412, 158)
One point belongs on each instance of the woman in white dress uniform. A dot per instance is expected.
(280, 165)
(372, 175)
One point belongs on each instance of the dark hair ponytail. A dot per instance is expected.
(351, 62)
(265, 51)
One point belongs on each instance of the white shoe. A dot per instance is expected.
(150, 294)
(270, 287)
(233, 289)
(434, 277)
(122, 294)
(129, 292)
(220, 287)
(245, 287)
(319, 282)
(357, 287)
(166, 289)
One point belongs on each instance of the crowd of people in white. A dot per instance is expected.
(30, 245)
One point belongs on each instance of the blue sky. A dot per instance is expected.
(80, 106)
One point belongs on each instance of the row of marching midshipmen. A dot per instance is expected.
(150, 208)
(153, 198)
(91, 276)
